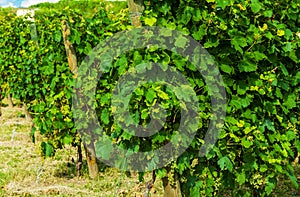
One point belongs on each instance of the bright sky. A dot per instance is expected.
(22, 3)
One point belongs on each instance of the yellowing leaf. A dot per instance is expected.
(163, 95)
(280, 32)
(241, 6)
(264, 27)
(240, 124)
(150, 21)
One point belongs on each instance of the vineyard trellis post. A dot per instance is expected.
(89, 148)
(136, 8)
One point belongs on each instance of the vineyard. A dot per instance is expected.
(134, 63)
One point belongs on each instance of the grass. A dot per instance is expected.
(20, 164)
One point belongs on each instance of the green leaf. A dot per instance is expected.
(291, 135)
(247, 66)
(161, 173)
(187, 15)
(103, 151)
(269, 187)
(226, 68)
(198, 35)
(225, 162)
(288, 33)
(255, 6)
(241, 178)
(166, 32)
(290, 102)
(105, 99)
(223, 3)
(49, 150)
(67, 139)
(150, 95)
(268, 13)
(137, 57)
(238, 42)
(166, 60)
(270, 125)
(121, 64)
(263, 168)
(284, 70)
(197, 15)
(181, 42)
(246, 143)
(105, 116)
(57, 36)
(211, 43)
(287, 47)
(145, 114)
(258, 55)
(293, 178)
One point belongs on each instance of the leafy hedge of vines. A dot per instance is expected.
(256, 46)
(34, 68)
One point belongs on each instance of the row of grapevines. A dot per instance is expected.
(256, 46)
(34, 65)
(257, 51)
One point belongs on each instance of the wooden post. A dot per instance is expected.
(27, 114)
(171, 189)
(89, 148)
(79, 161)
(71, 55)
(136, 8)
(10, 101)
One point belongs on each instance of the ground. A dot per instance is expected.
(22, 172)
